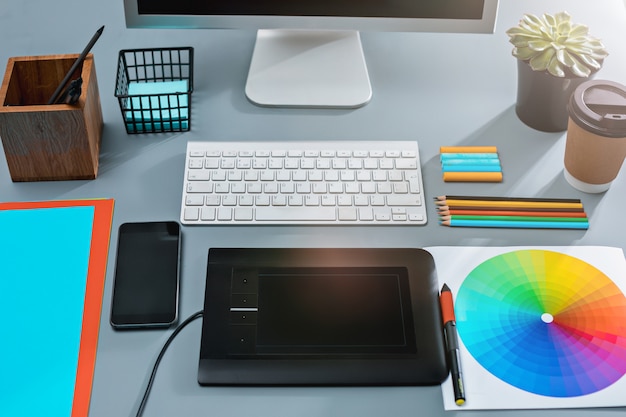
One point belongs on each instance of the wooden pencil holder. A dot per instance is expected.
(41, 141)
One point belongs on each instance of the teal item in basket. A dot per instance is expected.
(164, 104)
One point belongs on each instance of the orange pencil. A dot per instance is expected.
(537, 213)
(541, 209)
(505, 204)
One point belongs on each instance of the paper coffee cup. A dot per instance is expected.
(595, 148)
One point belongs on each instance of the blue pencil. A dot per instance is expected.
(515, 224)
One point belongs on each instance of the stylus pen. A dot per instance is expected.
(453, 353)
(55, 96)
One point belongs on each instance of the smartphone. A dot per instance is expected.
(145, 290)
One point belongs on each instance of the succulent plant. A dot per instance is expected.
(556, 45)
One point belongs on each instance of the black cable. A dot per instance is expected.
(161, 354)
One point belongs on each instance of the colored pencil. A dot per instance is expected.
(491, 198)
(468, 149)
(573, 210)
(509, 203)
(511, 212)
(496, 212)
(516, 218)
(515, 224)
(472, 176)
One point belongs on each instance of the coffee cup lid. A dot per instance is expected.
(599, 106)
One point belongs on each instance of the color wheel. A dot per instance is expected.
(544, 322)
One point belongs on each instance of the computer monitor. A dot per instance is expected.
(308, 53)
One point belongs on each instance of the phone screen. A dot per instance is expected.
(145, 291)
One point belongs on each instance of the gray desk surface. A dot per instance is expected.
(440, 89)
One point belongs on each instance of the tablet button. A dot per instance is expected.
(245, 281)
(242, 339)
(243, 317)
(244, 301)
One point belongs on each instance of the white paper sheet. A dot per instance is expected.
(486, 391)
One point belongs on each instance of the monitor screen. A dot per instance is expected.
(329, 68)
(392, 15)
(460, 9)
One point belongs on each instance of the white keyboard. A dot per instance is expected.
(363, 183)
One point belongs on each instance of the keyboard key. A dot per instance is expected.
(347, 213)
(406, 163)
(366, 214)
(243, 213)
(295, 213)
(404, 200)
(194, 200)
(191, 213)
(207, 213)
(224, 213)
(198, 175)
(200, 187)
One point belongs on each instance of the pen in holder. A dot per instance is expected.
(50, 141)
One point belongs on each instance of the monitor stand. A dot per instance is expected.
(308, 68)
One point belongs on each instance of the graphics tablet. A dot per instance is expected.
(321, 317)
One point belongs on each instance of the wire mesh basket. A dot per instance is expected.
(154, 89)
